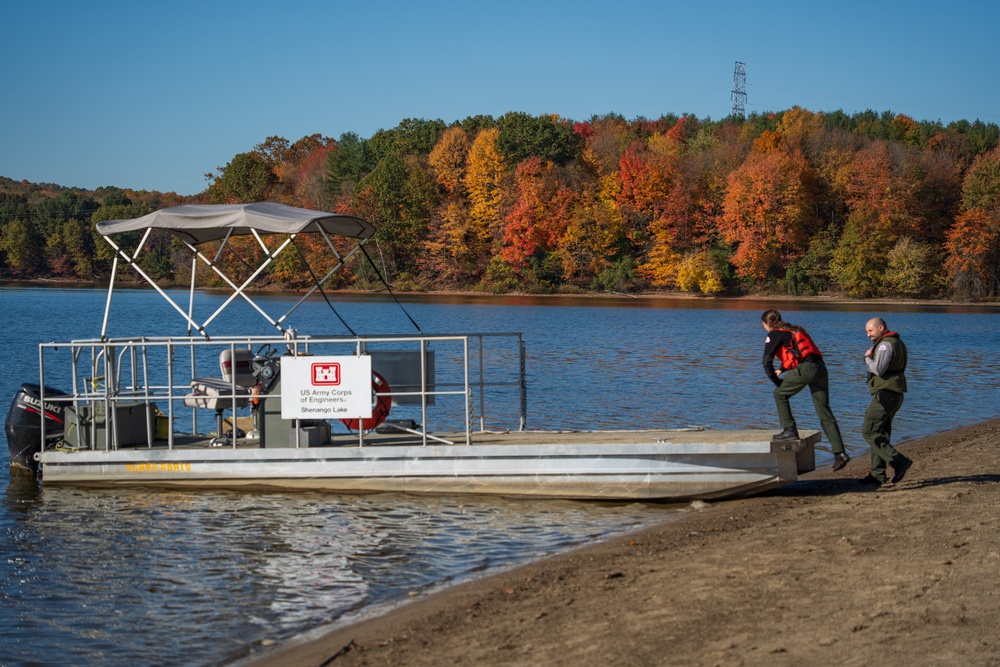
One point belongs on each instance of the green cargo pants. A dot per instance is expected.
(813, 375)
(877, 430)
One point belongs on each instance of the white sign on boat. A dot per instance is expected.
(326, 387)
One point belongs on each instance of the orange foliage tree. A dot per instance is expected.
(973, 243)
(973, 247)
(767, 212)
(879, 192)
(646, 179)
(447, 160)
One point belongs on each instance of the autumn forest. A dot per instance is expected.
(796, 202)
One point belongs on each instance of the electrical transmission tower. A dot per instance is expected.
(740, 90)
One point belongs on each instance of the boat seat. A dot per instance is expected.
(216, 394)
(233, 389)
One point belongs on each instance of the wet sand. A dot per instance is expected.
(823, 571)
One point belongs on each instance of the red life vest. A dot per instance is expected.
(797, 349)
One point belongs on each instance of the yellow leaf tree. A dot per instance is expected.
(484, 181)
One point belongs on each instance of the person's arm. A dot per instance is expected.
(878, 359)
(775, 339)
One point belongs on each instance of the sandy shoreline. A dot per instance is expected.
(823, 571)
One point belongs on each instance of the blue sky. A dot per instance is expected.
(155, 95)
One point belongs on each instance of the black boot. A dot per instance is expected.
(790, 433)
(840, 460)
(900, 465)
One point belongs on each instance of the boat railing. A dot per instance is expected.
(454, 382)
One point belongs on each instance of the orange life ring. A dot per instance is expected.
(381, 404)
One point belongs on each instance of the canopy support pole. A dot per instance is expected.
(152, 283)
(238, 290)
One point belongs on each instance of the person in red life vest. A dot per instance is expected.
(801, 366)
(885, 361)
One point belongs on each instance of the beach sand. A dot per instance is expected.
(819, 572)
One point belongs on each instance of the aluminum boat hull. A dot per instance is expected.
(610, 465)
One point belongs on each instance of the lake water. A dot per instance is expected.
(158, 577)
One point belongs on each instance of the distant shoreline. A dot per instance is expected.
(648, 295)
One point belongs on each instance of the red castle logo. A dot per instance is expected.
(326, 374)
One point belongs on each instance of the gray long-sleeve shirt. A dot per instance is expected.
(879, 361)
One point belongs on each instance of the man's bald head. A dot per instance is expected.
(875, 327)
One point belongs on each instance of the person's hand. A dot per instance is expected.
(868, 352)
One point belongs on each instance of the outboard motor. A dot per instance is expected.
(24, 426)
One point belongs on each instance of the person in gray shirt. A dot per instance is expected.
(886, 364)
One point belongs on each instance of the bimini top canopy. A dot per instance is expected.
(199, 223)
(195, 224)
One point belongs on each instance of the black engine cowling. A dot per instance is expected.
(24, 425)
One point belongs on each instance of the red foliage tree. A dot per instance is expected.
(646, 181)
(540, 214)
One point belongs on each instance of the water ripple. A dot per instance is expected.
(113, 577)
